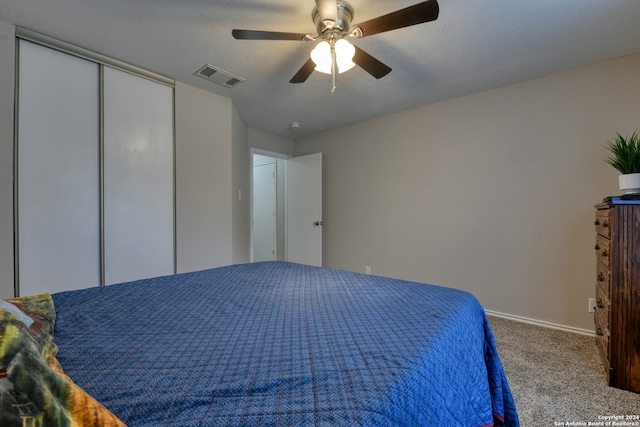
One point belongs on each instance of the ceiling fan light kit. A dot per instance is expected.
(325, 51)
(333, 54)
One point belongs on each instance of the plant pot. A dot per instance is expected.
(629, 183)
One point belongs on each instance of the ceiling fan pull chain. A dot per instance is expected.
(333, 66)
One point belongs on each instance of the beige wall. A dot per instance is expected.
(267, 141)
(7, 52)
(492, 193)
(204, 178)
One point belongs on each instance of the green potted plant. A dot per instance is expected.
(625, 158)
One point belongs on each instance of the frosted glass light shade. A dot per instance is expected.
(344, 55)
(321, 56)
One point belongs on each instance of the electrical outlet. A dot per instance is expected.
(592, 305)
(367, 269)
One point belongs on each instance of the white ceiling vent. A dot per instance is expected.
(216, 75)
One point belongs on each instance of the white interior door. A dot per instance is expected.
(304, 209)
(264, 212)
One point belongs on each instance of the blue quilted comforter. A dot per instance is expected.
(280, 344)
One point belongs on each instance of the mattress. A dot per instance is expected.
(283, 344)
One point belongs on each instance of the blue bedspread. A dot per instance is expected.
(280, 344)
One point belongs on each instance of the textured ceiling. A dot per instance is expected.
(474, 45)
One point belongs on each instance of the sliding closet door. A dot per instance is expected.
(57, 171)
(138, 178)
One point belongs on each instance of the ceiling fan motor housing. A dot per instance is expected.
(345, 16)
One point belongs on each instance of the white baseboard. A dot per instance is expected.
(541, 323)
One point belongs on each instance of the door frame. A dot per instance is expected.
(280, 156)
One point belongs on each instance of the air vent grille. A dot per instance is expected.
(207, 72)
(219, 76)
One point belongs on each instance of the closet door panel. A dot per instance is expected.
(138, 178)
(58, 171)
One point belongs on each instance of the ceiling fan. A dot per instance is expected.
(334, 53)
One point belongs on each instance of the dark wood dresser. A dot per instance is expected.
(617, 315)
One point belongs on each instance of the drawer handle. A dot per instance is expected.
(597, 247)
(597, 222)
(605, 224)
(600, 304)
(600, 277)
(604, 253)
(600, 333)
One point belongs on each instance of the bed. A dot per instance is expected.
(261, 344)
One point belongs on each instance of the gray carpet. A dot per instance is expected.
(556, 377)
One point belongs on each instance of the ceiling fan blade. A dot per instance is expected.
(412, 15)
(266, 35)
(370, 64)
(303, 73)
(328, 10)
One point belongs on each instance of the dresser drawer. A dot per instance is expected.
(603, 250)
(603, 343)
(603, 305)
(603, 278)
(603, 222)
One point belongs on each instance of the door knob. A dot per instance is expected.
(317, 223)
